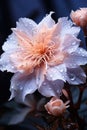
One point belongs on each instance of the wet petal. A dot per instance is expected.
(56, 72)
(70, 43)
(47, 21)
(23, 40)
(22, 85)
(11, 44)
(76, 76)
(51, 88)
(67, 27)
(79, 57)
(27, 25)
(6, 64)
(40, 73)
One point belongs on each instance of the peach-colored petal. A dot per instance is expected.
(79, 17)
(23, 40)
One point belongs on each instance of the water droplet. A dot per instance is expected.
(61, 70)
(12, 87)
(72, 77)
(44, 83)
(21, 88)
(51, 75)
(12, 67)
(80, 50)
(83, 54)
(71, 50)
(74, 43)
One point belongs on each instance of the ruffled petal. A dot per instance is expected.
(47, 21)
(56, 72)
(67, 27)
(11, 44)
(6, 64)
(76, 76)
(51, 88)
(22, 85)
(79, 57)
(70, 43)
(28, 26)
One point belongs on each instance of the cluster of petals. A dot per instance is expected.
(43, 56)
(79, 17)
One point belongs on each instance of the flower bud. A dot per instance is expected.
(56, 106)
(79, 17)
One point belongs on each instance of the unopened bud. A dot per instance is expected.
(56, 106)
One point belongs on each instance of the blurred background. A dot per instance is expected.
(12, 10)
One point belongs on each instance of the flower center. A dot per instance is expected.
(42, 52)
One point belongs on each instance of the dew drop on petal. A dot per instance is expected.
(72, 77)
(44, 83)
(74, 43)
(61, 70)
(21, 88)
(83, 54)
(72, 49)
(51, 75)
(12, 87)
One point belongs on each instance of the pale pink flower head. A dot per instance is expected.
(43, 56)
(56, 106)
(79, 17)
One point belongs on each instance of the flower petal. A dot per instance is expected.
(56, 72)
(22, 85)
(11, 44)
(40, 73)
(76, 76)
(47, 21)
(70, 43)
(79, 57)
(67, 27)
(6, 64)
(28, 26)
(51, 88)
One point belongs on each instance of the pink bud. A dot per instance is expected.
(79, 17)
(56, 106)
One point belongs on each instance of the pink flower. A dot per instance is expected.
(56, 106)
(79, 17)
(43, 56)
